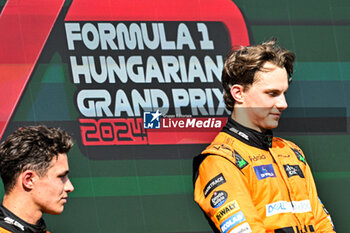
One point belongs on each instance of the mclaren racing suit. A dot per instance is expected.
(247, 181)
(9, 222)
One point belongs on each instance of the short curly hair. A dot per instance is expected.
(31, 147)
(242, 64)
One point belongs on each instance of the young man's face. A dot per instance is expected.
(265, 99)
(51, 191)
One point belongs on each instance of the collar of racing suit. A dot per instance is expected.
(15, 224)
(248, 135)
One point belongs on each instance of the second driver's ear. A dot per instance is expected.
(28, 179)
(237, 93)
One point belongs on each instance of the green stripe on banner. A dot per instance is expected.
(152, 185)
(331, 175)
(321, 71)
(131, 186)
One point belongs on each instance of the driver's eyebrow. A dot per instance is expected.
(272, 90)
(275, 90)
(64, 173)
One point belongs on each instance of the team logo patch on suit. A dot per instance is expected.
(264, 171)
(232, 221)
(218, 198)
(213, 183)
(240, 162)
(293, 170)
(226, 209)
(299, 156)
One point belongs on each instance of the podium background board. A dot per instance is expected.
(129, 179)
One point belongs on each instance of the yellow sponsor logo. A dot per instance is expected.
(228, 208)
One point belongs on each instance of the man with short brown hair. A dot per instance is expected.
(34, 170)
(247, 180)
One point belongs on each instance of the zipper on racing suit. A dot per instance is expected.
(289, 192)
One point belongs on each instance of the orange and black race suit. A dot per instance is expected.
(10, 223)
(246, 181)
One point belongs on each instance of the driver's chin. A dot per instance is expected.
(271, 124)
(55, 211)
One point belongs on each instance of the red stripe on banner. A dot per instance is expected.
(160, 10)
(24, 27)
(130, 131)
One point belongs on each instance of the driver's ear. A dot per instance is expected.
(237, 93)
(28, 179)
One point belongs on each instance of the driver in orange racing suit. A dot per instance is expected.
(247, 180)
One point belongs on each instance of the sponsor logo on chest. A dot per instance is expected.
(293, 170)
(264, 171)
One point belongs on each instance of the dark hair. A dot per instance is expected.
(242, 64)
(31, 147)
